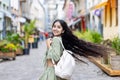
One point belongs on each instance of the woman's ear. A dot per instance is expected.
(63, 31)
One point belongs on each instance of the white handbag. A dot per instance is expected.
(65, 66)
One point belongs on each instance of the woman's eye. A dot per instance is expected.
(59, 27)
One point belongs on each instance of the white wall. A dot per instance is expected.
(15, 4)
(90, 4)
(61, 13)
(6, 2)
(1, 21)
(37, 12)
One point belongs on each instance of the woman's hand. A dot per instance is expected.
(48, 42)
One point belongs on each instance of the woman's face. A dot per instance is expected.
(57, 29)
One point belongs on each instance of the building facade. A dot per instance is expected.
(100, 16)
(106, 12)
(5, 18)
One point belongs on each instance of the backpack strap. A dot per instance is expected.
(72, 53)
(61, 43)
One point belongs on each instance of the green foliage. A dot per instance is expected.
(78, 34)
(3, 42)
(90, 36)
(10, 47)
(116, 45)
(28, 30)
(29, 27)
(96, 37)
(8, 32)
(19, 46)
(14, 38)
(4, 50)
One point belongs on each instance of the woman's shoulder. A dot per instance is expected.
(56, 38)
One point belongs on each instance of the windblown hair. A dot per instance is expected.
(79, 46)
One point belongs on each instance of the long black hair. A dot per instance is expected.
(79, 46)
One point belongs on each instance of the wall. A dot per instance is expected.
(119, 17)
(110, 22)
(37, 12)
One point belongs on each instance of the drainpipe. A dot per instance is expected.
(46, 15)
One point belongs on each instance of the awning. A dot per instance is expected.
(73, 23)
(21, 19)
(99, 5)
(7, 14)
(41, 30)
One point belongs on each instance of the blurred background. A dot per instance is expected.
(97, 15)
(26, 24)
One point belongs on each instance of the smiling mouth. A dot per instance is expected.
(55, 31)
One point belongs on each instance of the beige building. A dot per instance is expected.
(103, 13)
(109, 17)
(119, 17)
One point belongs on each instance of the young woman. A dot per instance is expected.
(61, 31)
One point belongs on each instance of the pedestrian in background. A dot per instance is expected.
(41, 36)
(46, 35)
(54, 51)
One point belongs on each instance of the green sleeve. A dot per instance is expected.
(55, 50)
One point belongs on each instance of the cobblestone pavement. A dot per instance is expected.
(29, 67)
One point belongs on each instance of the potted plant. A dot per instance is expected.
(90, 36)
(28, 29)
(8, 50)
(2, 42)
(35, 43)
(114, 56)
(16, 40)
(115, 59)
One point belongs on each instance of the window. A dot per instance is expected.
(3, 6)
(0, 4)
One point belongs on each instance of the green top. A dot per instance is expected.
(54, 52)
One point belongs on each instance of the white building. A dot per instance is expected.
(53, 9)
(5, 17)
(60, 11)
(37, 12)
(15, 11)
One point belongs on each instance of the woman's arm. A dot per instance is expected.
(48, 42)
(54, 50)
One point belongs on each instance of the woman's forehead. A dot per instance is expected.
(57, 23)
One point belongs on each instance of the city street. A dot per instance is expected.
(29, 67)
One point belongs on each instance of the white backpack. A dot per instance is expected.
(65, 66)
